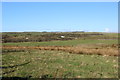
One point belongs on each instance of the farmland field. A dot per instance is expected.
(78, 55)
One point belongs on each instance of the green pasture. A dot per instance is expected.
(64, 43)
(57, 64)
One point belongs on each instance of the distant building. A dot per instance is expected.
(62, 36)
(26, 37)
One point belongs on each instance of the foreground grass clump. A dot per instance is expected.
(58, 64)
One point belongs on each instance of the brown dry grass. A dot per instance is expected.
(104, 50)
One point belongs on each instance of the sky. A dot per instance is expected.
(60, 0)
(60, 16)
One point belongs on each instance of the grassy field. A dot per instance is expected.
(58, 64)
(64, 43)
(95, 56)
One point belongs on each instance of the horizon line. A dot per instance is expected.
(59, 31)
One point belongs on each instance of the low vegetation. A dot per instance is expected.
(59, 55)
(109, 50)
(51, 36)
(58, 64)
